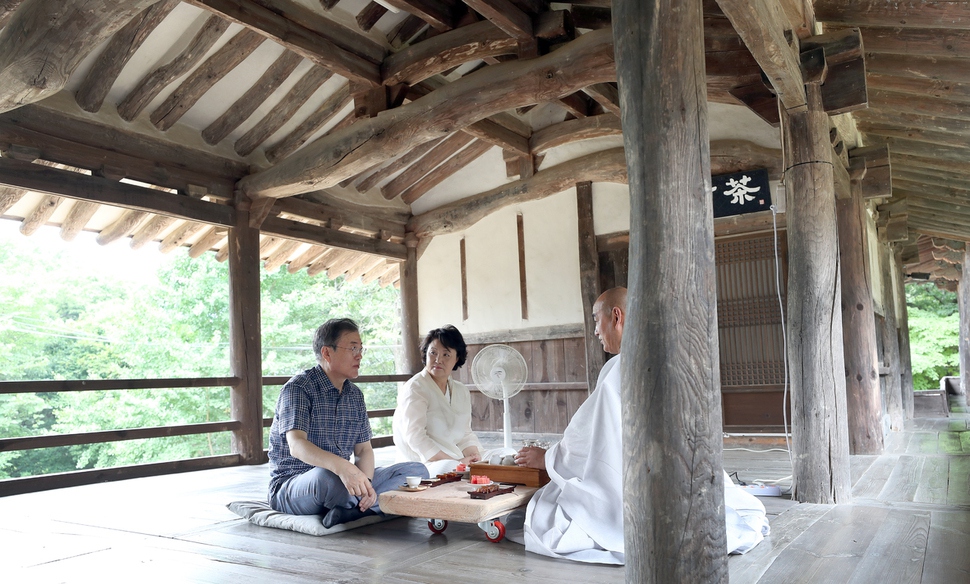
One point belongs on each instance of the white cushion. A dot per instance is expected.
(260, 513)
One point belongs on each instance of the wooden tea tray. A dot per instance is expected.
(516, 475)
(490, 494)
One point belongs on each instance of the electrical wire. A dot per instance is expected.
(784, 340)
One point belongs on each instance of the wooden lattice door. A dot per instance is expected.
(750, 334)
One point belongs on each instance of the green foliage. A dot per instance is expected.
(934, 334)
(61, 320)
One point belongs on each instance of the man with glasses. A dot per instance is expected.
(321, 419)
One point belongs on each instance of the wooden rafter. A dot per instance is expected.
(457, 162)
(426, 164)
(583, 62)
(895, 14)
(440, 14)
(90, 95)
(333, 105)
(505, 15)
(307, 34)
(244, 107)
(153, 83)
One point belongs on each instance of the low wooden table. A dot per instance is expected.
(451, 502)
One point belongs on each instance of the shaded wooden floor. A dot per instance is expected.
(909, 522)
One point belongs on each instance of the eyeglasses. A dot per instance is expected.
(355, 351)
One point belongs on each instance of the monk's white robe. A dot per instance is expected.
(579, 514)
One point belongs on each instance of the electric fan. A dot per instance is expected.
(499, 372)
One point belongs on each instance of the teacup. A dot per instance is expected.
(413, 481)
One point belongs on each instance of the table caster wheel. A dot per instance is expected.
(438, 525)
(495, 531)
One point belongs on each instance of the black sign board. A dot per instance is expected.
(741, 192)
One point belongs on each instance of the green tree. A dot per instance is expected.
(934, 325)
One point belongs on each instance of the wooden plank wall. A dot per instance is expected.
(555, 388)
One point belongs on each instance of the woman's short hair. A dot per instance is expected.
(451, 338)
(329, 333)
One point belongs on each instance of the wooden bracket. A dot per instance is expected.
(259, 211)
(878, 172)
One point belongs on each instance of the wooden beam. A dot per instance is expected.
(332, 106)
(283, 111)
(7, 8)
(121, 226)
(589, 270)
(238, 112)
(895, 14)
(763, 25)
(574, 131)
(440, 14)
(396, 166)
(9, 197)
(245, 341)
(498, 135)
(606, 166)
(316, 235)
(448, 168)
(669, 346)
(39, 215)
(730, 156)
(350, 215)
(463, 264)
(86, 144)
(918, 66)
(445, 51)
(505, 15)
(369, 15)
(426, 164)
(153, 83)
(205, 77)
(931, 42)
(523, 280)
(583, 62)
(44, 179)
(79, 215)
(821, 450)
(411, 363)
(44, 42)
(308, 34)
(147, 232)
(605, 94)
(98, 81)
(862, 385)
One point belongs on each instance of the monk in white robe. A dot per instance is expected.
(578, 515)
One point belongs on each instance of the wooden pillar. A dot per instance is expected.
(589, 275)
(409, 308)
(673, 488)
(963, 299)
(905, 358)
(819, 426)
(862, 389)
(890, 343)
(245, 340)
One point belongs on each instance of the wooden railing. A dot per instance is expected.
(89, 476)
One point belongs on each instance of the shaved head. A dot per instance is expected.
(609, 312)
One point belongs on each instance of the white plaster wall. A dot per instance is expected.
(491, 248)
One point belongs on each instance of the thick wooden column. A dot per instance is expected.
(819, 427)
(673, 490)
(245, 340)
(589, 276)
(905, 357)
(862, 390)
(409, 308)
(890, 342)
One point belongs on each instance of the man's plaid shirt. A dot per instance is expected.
(336, 421)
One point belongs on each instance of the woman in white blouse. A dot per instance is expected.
(433, 421)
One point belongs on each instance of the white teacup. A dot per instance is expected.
(413, 481)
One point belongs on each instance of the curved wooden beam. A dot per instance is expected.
(604, 166)
(354, 149)
(729, 156)
(445, 51)
(574, 131)
(44, 42)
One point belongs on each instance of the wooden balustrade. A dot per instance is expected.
(89, 476)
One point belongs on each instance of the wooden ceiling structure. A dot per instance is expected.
(149, 120)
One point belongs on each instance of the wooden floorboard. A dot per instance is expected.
(909, 522)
